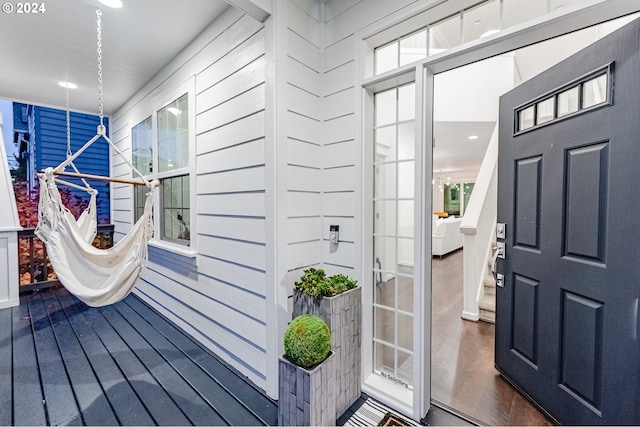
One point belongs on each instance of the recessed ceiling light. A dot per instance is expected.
(472, 137)
(68, 85)
(116, 4)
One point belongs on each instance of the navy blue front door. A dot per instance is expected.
(569, 195)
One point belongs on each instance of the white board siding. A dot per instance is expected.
(339, 154)
(248, 279)
(304, 24)
(246, 129)
(303, 128)
(245, 53)
(340, 53)
(219, 296)
(241, 228)
(301, 204)
(339, 78)
(243, 105)
(242, 204)
(303, 178)
(302, 255)
(303, 76)
(338, 178)
(303, 153)
(339, 104)
(244, 155)
(237, 251)
(339, 204)
(304, 229)
(303, 102)
(202, 324)
(248, 76)
(233, 181)
(306, 53)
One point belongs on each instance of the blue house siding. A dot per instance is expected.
(49, 139)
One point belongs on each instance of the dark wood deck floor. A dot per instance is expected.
(62, 362)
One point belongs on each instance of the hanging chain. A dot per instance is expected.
(101, 128)
(68, 127)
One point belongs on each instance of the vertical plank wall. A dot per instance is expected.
(217, 296)
(302, 68)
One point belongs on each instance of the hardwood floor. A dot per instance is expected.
(463, 377)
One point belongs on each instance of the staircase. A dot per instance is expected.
(488, 302)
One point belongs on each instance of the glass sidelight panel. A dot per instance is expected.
(393, 234)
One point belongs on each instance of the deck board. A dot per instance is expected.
(26, 375)
(126, 404)
(251, 407)
(59, 400)
(62, 362)
(6, 379)
(92, 402)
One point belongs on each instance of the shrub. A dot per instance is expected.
(307, 341)
(315, 283)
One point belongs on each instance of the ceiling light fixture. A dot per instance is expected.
(116, 4)
(472, 137)
(68, 85)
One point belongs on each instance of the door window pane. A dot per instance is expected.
(525, 118)
(385, 181)
(568, 101)
(386, 143)
(594, 91)
(444, 35)
(386, 57)
(385, 292)
(384, 321)
(406, 180)
(481, 20)
(384, 358)
(413, 47)
(405, 290)
(385, 217)
(405, 218)
(173, 135)
(406, 141)
(405, 331)
(545, 110)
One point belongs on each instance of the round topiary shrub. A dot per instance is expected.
(307, 341)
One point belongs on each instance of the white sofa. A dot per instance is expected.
(445, 235)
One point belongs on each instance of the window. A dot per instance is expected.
(164, 155)
(578, 96)
(439, 34)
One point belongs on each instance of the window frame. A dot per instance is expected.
(151, 108)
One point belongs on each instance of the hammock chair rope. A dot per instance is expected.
(96, 276)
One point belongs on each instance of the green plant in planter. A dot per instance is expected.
(315, 283)
(307, 341)
(340, 283)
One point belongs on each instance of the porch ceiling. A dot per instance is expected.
(39, 50)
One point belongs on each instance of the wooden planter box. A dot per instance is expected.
(343, 315)
(306, 397)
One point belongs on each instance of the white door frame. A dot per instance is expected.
(557, 23)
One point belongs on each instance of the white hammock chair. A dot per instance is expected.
(98, 277)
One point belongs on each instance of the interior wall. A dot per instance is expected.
(218, 295)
